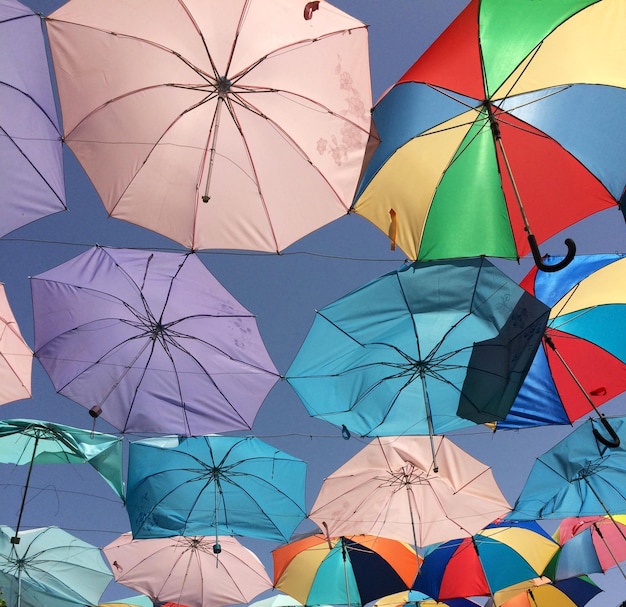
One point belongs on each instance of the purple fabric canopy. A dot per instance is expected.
(31, 170)
(151, 341)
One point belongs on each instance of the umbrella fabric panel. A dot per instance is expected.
(581, 363)
(26, 441)
(571, 592)
(419, 599)
(390, 489)
(186, 570)
(458, 335)
(16, 357)
(56, 569)
(496, 557)
(516, 93)
(579, 476)
(214, 484)
(32, 160)
(200, 360)
(196, 124)
(590, 544)
(343, 570)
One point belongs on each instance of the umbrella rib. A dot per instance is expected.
(12, 139)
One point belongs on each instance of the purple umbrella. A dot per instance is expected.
(31, 168)
(151, 341)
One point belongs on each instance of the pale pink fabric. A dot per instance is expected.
(186, 570)
(16, 357)
(141, 113)
(390, 488)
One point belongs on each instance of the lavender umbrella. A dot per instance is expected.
(151, 341)
(31, 171)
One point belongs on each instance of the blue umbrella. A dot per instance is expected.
(579, 476)
(426, 349)
(214, 484)
(51, 568)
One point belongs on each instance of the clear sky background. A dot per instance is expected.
(284, 292)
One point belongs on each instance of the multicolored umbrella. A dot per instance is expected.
(214, 484)
(582, 361)
(413, 598)
(390, 489)
(51, 568)
(426, 349)
(181, 147)
(31, 441)
(16, 357)
(31, 173)
(498, 556)
(353, 570)
(188, 570)
(579, 476)
(542, 592)
(151, 341)
(492, 141)
(590, 544)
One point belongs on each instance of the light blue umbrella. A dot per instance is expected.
(50, 568)
(426, 349)
(214, 484)
(579, 476)
(32, 441)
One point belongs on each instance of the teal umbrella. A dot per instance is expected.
(579, 476)
(50, 568)
(30, 441)
(229, 485)
(426, 349)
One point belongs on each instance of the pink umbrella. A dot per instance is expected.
(16, 357)
(236, 125)
(193, 571)
(390, 488)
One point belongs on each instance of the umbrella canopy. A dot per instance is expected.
(390, 489)
(277, 600)
(425, 349)
(31, 441)
(590, 544)
(16, 357)
(50, 568)
(31, 172)
(152, 341)
(582, 361)
(502, 554)
(542, 592)
(188, 570)
(413, 598)
(231, 139)
(492, 140)
(351, 570)
(214, 484)
(135, 601)
(579, 476)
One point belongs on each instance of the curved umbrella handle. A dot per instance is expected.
(534, 247)
(612, 444)
(309, 8)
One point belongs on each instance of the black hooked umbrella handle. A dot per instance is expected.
(544, 267)
(612, 444)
